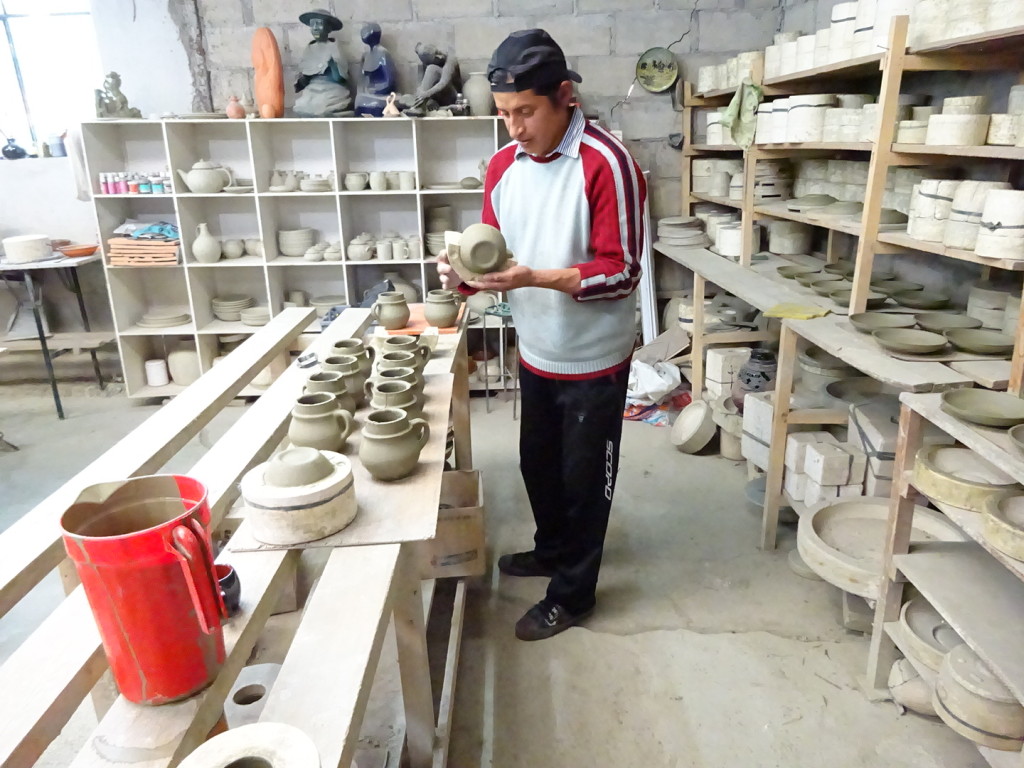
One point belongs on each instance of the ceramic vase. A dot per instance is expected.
(391, 310)
(395, 394)
(205, 248)
(183, 366)
(403, 286)
(756, 375)
(441, 309)
(318, 422)
(352, 375)
(477, 91)
(331, 381)
(357, 349)
(391, 444)
(235, 110)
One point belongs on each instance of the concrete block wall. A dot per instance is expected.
(601, 38)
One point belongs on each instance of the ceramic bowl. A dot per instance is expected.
(873, 301)
(890, 287)
(808, 202)
(829, 285)
(980, 341)
(857, 390)
(77, 251)
(840, 268)
(1017, 436)
(806, 278)
(791, 271)
(693, 427)
(940, 322)
(868, 322)
(910, 341)
(921, 299)
(482, 248)
(984, 407)
(882, 276)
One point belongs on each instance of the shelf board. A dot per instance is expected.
(1000, 40)
(973, 524)
(167, 390)
(162, 195)
(863, 66)
(986, 151)
(374, 193)
(477, 191)
(299, 261)
(217, 195)
(241, 261)
(846, 224)
(227, 326)
(717, 200)
(818, 146)
(979, 598)
(903, 240)
(716, 94)
(299, 193)
(715, 148)
(385, 262)
(186, 329)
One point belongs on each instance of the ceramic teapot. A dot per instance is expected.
(391, 444)
(206, 178)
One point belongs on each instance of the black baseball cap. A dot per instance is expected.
(525, 59)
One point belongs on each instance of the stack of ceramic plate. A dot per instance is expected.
(683, 231)
(255, 316)
(295, 242)
(322, 304)
(229, 307)
(435, 242)
(163, 318)
(440, 217)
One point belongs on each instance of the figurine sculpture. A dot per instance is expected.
(110, 102)
(269, 76)
(379, 74)
(391, 109)
(440, 81)
(322, 87)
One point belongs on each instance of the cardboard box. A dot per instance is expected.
(834, 463)
(460, 546)
(796, 447)
(753, 450)
(724, 363)
(795, 484)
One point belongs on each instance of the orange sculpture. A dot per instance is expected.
(266, 59)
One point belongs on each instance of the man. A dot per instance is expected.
(569, 200)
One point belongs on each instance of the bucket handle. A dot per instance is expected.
(191, 553)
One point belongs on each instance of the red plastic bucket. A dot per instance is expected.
(143, 553)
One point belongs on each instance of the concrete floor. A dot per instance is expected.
(703, 651)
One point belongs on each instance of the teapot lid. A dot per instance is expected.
(204, 165)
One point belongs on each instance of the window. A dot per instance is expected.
(49, 67)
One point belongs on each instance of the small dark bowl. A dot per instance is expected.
(230, 587)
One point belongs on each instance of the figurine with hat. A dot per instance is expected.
(323, 86)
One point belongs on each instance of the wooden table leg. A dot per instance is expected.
(882, 652)
(413, 664)
(697, 342)
(460, 407)
(780, 427)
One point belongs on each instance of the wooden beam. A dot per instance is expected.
(451, 669)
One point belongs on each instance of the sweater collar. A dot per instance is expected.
(570, 143)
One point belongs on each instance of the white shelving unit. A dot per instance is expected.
(438, 150)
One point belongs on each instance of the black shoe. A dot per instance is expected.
(547, 619)
(524, 564)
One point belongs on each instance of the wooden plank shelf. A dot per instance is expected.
(717, 200)
(985, 43)
(973, 524)
(715, 148)
(862, 66)
(849, 225)
(979, 598)
(983, 152)
(818, 146)
(903, 240)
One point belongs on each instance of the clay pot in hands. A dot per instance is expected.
(318, 422)
(395, 394)
(351, 375)
(358, 350)
(441, 309)
(331, 381)
(391, 310)
(391, 444)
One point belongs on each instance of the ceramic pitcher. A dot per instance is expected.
(318, 422)
(358, 350)
(351, 374)
(395, 394)
(391, 310)
(391, 444)
(206, 248)
(441, 309)
(331, 381)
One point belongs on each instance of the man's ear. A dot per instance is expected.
(565, 93)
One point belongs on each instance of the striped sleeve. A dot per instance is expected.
(616, 191)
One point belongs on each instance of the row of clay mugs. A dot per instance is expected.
(391, 438)
(381, 181)
(394, 248)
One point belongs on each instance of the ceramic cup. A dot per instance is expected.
(288, 305)
(391, 444)
(391, 310)
(405, 344)
(233, 249)
(354, 182)
(394, 179)
(351, 374)
(333, 383)
(407, 180)
(299, 298)
(395, 394)
(156, 373)
(357, 349)
(253, 246)
(385, 251)
(318, 422)
(400, 250)
(396, 374)
(378, 182)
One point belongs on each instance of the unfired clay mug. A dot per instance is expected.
(357, 349)
(318, 422)
(391, 310)
(391, 444)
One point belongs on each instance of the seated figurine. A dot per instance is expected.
(322, 87)
(440, 82)
(110, 102)
(379, 74)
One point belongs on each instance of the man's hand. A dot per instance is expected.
(506, 280)
(450, 279)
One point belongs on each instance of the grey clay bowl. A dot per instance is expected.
(791, 271)
(921, 299)
(868, 322)
(828, 286)
(909, 341)
(984, 407)
(890, 287)
(940, 322)
(981, 341)
(873, 300)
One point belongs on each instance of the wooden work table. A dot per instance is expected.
(324, 683)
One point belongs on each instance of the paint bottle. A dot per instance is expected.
(133, 185)
(104, 183)
(145, 186)
(122, 184)
(156, 184)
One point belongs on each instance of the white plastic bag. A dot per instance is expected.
(650, 383)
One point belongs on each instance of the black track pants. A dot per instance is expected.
(569, 456)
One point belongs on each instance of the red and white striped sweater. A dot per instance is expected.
(581, 206)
